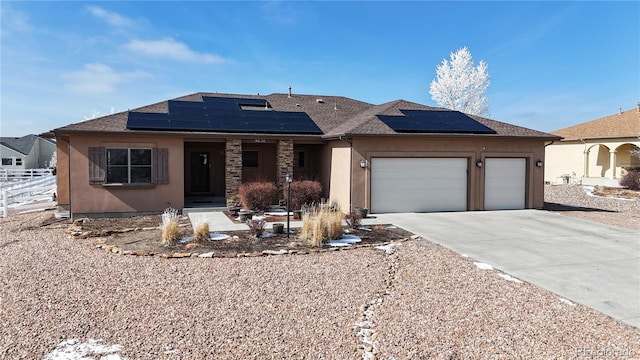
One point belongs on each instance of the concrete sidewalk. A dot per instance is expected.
(594, 264)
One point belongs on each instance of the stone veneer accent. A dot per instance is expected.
(233, 171)
(284, 162)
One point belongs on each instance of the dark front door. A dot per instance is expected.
(200, 165)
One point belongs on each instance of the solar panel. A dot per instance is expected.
(434, 121)
(140, 120)
(221, 114)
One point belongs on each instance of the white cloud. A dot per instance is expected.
(13, 20)
(98, 79)
(110, 17)
(168, 48)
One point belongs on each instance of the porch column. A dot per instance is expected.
(586, 163)
(612, 163)
(284, 162)
(233, 171)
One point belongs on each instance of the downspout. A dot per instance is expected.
(69, 175)
(350, 169)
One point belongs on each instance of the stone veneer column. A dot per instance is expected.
(233, 171)
(284, 163)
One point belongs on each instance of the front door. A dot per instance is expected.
(200, 165)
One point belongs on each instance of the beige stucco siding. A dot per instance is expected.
(590, 158)
(340, 184)
(86, 198)
(471, 148)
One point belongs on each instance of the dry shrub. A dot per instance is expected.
(170, 230)
(354, 220)
(321, 224)
(201, 229)
(256, 227)
(257, 195)
(631, 180)
(304, 192)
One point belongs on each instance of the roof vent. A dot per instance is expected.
(619, 111)
(289, 90)
(639, 106)
(320, 101)
(335, 105)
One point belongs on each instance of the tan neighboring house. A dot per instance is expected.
(596, 152)
(26, 152)
(395, 157)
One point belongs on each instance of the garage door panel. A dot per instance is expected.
(505, 183)
(418, 184)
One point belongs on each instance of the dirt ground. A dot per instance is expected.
(141, 235)
(616, 192)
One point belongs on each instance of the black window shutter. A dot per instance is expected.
(97, 165)
(160, 166)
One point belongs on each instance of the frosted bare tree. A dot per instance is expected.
(461, 86)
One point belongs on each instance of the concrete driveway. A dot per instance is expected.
(590, 263)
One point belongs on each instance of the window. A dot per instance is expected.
(18, 161)
(249, 158)
(128, 166)
(7, 161)
(298, 159)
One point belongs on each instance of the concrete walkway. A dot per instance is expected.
(594, 264)
(219, 222)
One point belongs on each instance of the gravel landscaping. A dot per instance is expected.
(415, 300)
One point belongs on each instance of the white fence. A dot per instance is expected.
(13, 175)
(33, 189)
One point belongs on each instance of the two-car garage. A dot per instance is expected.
(429, 184)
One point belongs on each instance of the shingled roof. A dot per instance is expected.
(335, 116)
(22, 145)
(624, 124)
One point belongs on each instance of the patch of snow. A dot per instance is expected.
(338, 243)
(392, 227)
(389, 248)
(415, 236)
(465, 255)
(266, 235)
(185, 240)
(483, 266)
(365, 228)
(345, 240)
(510, 278)
(73, 349)
(217, 236)
(568, 302)
(168, 350)
(277, 212)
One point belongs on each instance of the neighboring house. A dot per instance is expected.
(596, 152)
(395, 157)
(27, 152)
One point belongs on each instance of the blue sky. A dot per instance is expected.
(552, 64)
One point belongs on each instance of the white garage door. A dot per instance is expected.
(504, 184)
(418, 184)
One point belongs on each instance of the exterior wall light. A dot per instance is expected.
(539, 163)
(363, 163)
(479, 163)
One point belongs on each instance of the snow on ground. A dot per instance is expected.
(73, 349)
(510, 278)
(483, 266)
(568, 302)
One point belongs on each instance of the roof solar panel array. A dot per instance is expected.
(224, 115)
(434, 121)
